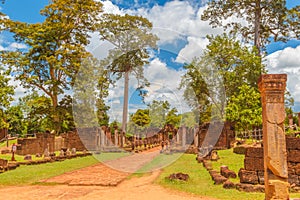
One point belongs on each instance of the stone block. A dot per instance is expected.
(3, 164)
(254, 164)
(292, 143)
(294, 156)
(297, 169)
(227, 172)
(249, 177)
(278, 190)
(28, 157)
(261, 177)
(254, 152)
(239, 150)
(218, 179)
(179, 176)
(250, 188)
(293, 179)
(228, 185)
(5, 151)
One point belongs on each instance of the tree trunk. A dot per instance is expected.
(125, 105)
(257, 23)
(55, 115)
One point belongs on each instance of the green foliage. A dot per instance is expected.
(265, 19)
(158, 111)
(90, 89)
(141, 117)
(200, 182)
(138, 122)
(173, 118)
(6, 96)
(132, 38)
(16, 121)
(189, 119)
(55, 47)
(214, 77)
(244, 108)
(37, 112)
(31, 174)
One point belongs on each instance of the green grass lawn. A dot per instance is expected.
(200, 182)
(30, 174)
(234, 161)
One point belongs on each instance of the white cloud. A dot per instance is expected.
(109, 7)
(287, 61)
(164, 83)
(177, 19)
(19, 90)
(194, 48)
(16, 45)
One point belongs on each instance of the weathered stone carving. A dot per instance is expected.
(272, 88)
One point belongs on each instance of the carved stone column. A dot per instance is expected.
(272, 88)
(116, 137)
(184, 131)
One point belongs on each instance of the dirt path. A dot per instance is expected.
(134, 188)
(101, 182)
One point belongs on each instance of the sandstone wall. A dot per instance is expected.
(210, 131)
(253, 171)
(36, 145)
(46, 140)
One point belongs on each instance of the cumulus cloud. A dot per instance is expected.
(15, 45)
(177, 19)
(194, 48)
(287, 61)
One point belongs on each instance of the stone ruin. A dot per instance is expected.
(272, 88)
(253, 171)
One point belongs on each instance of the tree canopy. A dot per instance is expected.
(55, 47)
(257, 21)
(217, 75)
(244, 108)
(132, 38)
(6, 96)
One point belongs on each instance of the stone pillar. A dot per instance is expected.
(102, 138)
(178, 135)
(184, 130)
(272, 88)
(98, 138)
(196, 140)
(116, 137)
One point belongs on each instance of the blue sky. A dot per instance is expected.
(182, 37)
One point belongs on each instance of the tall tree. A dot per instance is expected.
(55, 47)
(15, 119)
(216, 75)
(90, 89)
(158, 111)
(173, 118)
(265, 19)
(132, 38)
(37, 112)
(6, 96)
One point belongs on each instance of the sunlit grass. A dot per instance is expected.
(30, 174)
